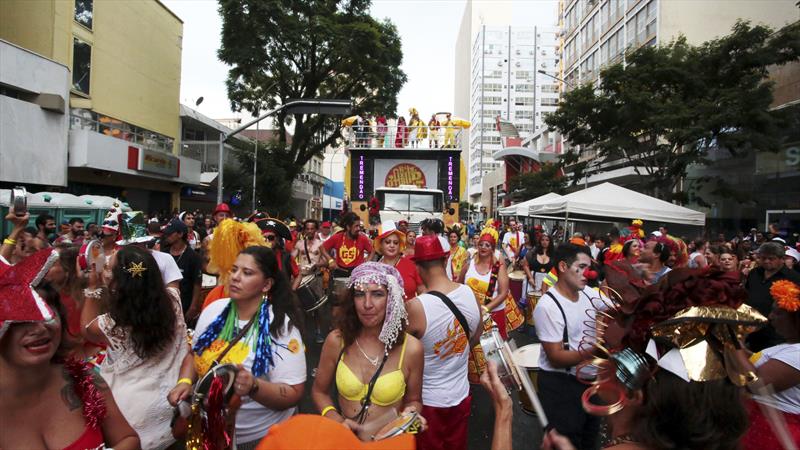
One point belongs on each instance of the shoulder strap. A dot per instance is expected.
(456, 312)
(492, 281)
(565, 337)
(366, 402)
(305, 244)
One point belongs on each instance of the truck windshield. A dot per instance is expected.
(415, 201)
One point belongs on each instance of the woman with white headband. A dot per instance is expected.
(376, 366)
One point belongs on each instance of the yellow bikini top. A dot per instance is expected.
(389, 388)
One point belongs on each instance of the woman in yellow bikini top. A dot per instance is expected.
(377, 368)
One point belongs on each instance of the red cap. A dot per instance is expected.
(326, 224)
(402, 222)
(222, 207)
(428, 248)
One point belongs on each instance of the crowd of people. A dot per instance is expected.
(190, 333)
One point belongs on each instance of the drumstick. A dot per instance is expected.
(527, 386)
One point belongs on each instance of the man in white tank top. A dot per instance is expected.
(445, 389)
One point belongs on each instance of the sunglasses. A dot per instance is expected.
(270, 237)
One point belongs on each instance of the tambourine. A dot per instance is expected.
(89, 254)
(407, 423)
(225, 371)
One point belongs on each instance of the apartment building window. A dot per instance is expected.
(549, 101)
(492, 87)
(494, 74)
(84, 10)
(523, 114)
(525, 88)
(523, 101)
(550, 89)
(81, 65)
(492, 100)
(524, 74)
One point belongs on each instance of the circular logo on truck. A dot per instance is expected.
(405, 174)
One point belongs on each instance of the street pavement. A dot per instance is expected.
(527, 433)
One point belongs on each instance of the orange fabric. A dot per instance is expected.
(215, 294)
(312, 432)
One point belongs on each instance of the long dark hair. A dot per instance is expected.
(696, 415)
(141, 303)
(281, 296)
(540, 250)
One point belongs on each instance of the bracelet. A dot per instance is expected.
(327, 410)
(93, 293)
(254, 389)
(184, 380)
(9, 241)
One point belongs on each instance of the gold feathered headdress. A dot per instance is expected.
(230, 238)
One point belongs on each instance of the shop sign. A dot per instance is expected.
(151, 161)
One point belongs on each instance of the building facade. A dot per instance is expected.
(123, 107)
(598, 33)
(507, 85)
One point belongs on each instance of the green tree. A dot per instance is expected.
(304, 49)
(273, 187)
(534, 184)
(664, 109)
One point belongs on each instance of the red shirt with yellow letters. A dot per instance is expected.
(349, 252)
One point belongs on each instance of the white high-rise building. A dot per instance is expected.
(506, 84)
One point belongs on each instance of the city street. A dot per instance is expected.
(526, 429)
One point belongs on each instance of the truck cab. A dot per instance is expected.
(410, 203)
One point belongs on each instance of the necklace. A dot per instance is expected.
(620, 440)
(374, 361)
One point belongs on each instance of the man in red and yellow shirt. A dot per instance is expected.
(351, 245)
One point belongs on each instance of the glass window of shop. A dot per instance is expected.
(81, 65)
(84, 12)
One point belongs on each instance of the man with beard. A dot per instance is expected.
(190, 265)
(352, 247)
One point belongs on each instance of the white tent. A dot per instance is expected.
(610, 200)
(521, 209)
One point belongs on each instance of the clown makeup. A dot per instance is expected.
(573, 275)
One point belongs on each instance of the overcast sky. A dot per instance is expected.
(428, 29)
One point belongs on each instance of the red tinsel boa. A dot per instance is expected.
(94, 406)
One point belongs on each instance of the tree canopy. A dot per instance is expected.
(668, 105)
(305, 49)
(550, 178)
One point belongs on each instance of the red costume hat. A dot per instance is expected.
(19, 301)
(222, 207)
(428, 248)
(325, 224)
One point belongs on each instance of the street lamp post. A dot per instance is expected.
(572, 85)
(318, 106)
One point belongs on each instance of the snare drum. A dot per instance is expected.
(528, 357)
(227, 372)
(311, 293)
(91, 254)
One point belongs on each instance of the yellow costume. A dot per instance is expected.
(449, 133)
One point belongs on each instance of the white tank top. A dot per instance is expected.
(480, 284)
(692, 263)
(444, 376)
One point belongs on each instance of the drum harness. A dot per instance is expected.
(565, 337)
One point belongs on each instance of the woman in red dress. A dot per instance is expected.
(390, 244)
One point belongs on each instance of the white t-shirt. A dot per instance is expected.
(444, 377)
(550, 322)
(168, 267)
(787, 400)
(254, 419)
(514, 240)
